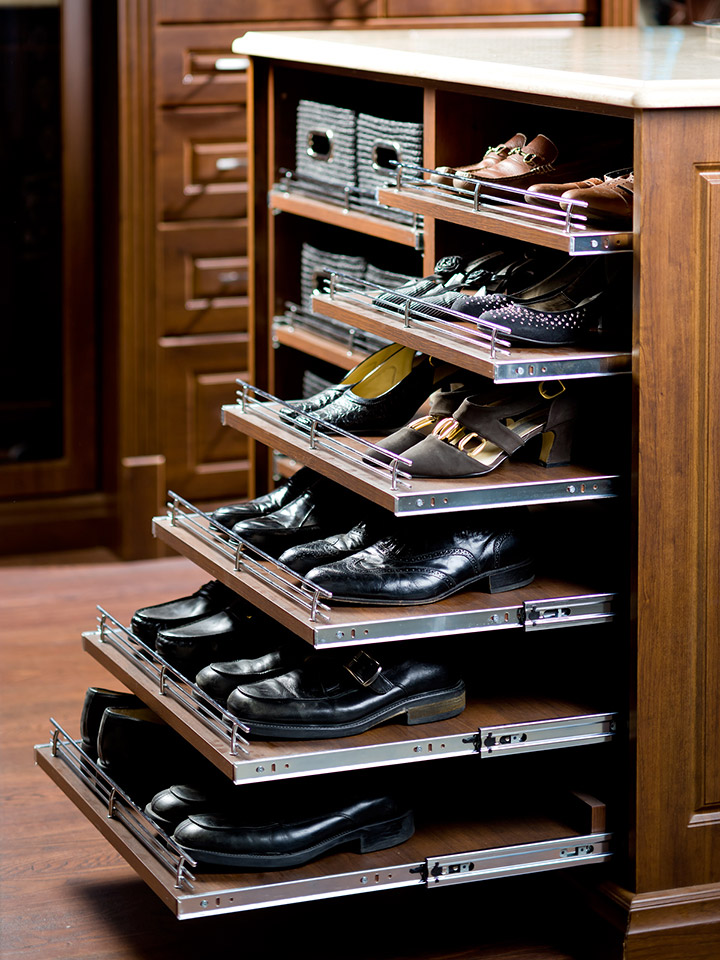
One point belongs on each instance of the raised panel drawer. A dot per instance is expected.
(201, 455)
(202, 163)
(203, 278)
(196, 65)
(187, 11)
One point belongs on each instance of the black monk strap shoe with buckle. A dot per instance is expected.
(431, 558)
(219, 679)
(210, 598)
(331, 697)
(297, 833)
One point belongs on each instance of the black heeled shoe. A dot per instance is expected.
(451, 273)
(283, 493)
(482, 434)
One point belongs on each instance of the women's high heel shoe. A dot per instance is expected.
(451, 273)
(386, 398)
(480, 435)
(354, 376)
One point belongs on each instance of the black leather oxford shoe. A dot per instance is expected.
(296, 835)
(218, 680)
(432, 558)
(306, 556)
(238, 631)
(210, 598)
(329, 697)
(283, 493)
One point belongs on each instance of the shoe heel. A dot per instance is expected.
(557, 445)
(379, 836)
(439, 710)
(512, 579)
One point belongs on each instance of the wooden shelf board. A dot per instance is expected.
(337, 216)
(317, 346)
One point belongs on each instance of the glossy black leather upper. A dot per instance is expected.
(283, 493)
(210, 598)
(220, 678)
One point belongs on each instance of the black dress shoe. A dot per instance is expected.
(211, 598)
(306, 556)
(433, 558)
(170, 806)
(451, 273)
(283, 493)
(239, 630)
(142, 754)
(97, 700)
(296, 835)
(320, 511)
(326, 697)
(218, 680)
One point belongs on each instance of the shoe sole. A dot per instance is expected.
(423, 708)
(367, 839)
(497, 581)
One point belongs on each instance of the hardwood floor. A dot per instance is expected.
(66, 894)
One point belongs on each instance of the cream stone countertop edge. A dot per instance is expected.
(616, 57)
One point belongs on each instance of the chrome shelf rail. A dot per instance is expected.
(171, 683)
(247, 558)
(120, 807)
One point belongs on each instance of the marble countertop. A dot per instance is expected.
(644, 67)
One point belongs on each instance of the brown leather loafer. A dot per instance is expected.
(557, 190)
(491, 156)
(612, 199)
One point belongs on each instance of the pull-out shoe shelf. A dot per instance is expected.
(352, 462)
(488, 727)
(304, 608)
(437, 855)
(458, 342)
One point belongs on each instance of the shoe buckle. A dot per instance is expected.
(363, 668)
(497, 149)
(529, 158)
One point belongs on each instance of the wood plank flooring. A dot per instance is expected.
(66, 895)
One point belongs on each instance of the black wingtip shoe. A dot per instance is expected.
(266, 842)
(283, 493)
(210, 598)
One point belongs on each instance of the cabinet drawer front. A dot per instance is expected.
(203, 278)
(204, 459)
(477, 8)
(202, 163)
(196, 65)
(187, 11)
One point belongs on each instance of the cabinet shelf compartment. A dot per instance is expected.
(283, 200)
(340, 458)
(488, 727)
(500, 364)
(503, 212)
(301, 606)
(437, 855)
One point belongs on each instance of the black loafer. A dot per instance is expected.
(432, 558)
(240, 630)
(142, 754)
(218, 680)
(322, 510)
(288, 839)
(211, 598)
(97, 700)
(326, 697)
(283, 493)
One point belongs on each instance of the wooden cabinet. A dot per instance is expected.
(613, 649)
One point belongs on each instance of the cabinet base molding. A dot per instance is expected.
(47, 524)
